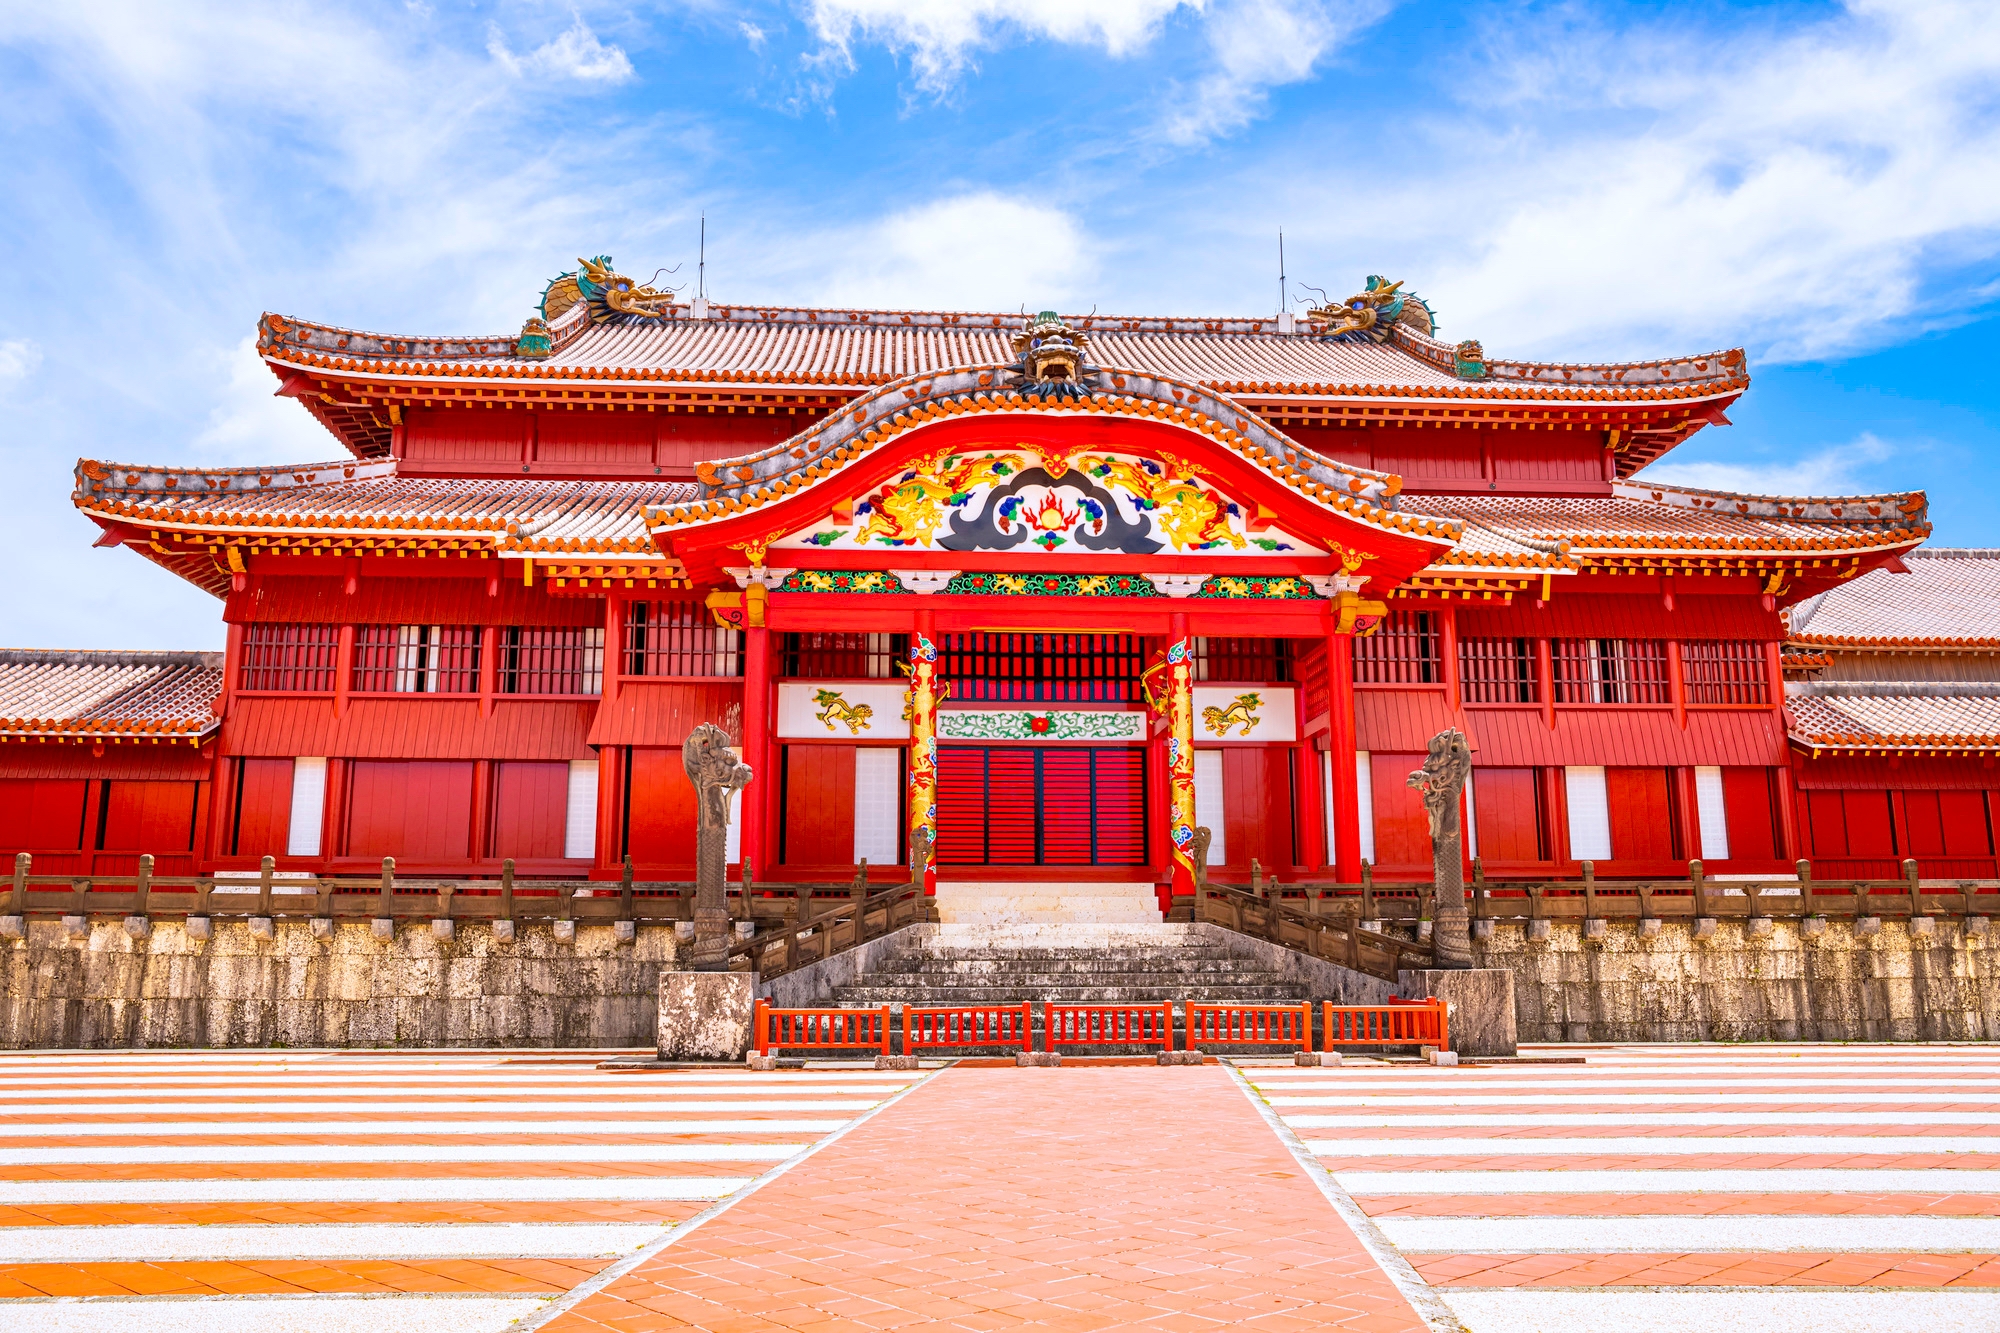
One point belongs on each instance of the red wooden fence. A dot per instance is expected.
(969, 1025)
(1107, 1025)
(1250, 1025)
(820, 1029)
(1421, 1023)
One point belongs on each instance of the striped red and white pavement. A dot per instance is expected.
(396, 1193)
(1745, 1188)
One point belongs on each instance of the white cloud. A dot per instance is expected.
(1258, 45)
(1639, 192)
(1835, 470)
(20, 358)
(249, 423)
(940, 36)
(752, 34)
(575, 54)
(979, 251)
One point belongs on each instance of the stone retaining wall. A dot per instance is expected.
(1783, 984)
(347, 989)
(353, 989)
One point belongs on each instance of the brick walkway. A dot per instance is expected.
(1081, 1198)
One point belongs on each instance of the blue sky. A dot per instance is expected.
(1818, 183)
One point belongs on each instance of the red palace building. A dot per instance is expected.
(1058, 589)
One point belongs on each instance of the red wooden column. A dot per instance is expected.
(923, 698)
(1340, 741)
(1181, 814)
(757, 744)
(1792, 845)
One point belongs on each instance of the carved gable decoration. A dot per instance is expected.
(1023, 501)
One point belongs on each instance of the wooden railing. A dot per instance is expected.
(822, 928)
(1589, 898)
(142, 897)
(1411, 1023)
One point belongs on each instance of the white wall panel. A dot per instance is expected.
(308, 807)
(1326, 793)
(878, 782)
(580, 815)
(1589, 814)
(1364, 776)
(1713, 812)
(1208, 802)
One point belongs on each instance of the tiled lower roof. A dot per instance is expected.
(1941, 717)
(1949, 598)
(1639, 520)
(87, 695)
(526, 515)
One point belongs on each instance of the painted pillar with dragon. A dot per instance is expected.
(921, 701)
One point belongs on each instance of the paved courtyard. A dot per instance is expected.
(1670, 1187)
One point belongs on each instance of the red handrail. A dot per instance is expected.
(1400, 1024)
(1250, 1025)
(1108, 1025)
(820, 1029)
(969, 1025)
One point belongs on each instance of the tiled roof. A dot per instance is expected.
(836, 348)
(1954, 717)
(369, 500)
(75, 694)
(1640, 520)
(1949, 598)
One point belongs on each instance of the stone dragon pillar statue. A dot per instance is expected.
(1440, 782)
(717, 776)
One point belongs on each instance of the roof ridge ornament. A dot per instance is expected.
(609, 294)
(1050, 356)
(1369, 314)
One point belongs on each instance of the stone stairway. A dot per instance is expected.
(1098, 963)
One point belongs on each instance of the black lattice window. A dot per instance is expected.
(1725, 671)
(1042, 668)
(1258, 661)
(560, 660)
(679, 639)
(830, 656)
(416, 659)
(1407, 650)
(1498, 671)
(1611, 671)
(294, 658)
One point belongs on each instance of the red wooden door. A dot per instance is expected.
(1748, 808)
(819, 805)
(1057, 806)
(660, 813)
(530, 810)
(1402, 831)
(262, 822)
(1642, 824)
(41, 814)
(1507, 811)
(1257, 806)
(416, 811)
(149, 817)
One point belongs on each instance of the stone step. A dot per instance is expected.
(863, 996)
(1058, 980)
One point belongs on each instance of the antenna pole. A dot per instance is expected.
(1281, 268)
(701, 272)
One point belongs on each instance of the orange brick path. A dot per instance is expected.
(1011, 1198)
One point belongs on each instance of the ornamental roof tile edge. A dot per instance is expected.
(737, 485)
(285, 340)
(172, 498)
(1907, 508)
